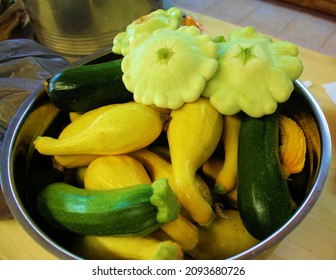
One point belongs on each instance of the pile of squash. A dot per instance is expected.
(197, 150)
(231, 180)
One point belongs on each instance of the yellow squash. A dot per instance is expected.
(226, 179)
(292, 146)
(74, 115)
(79, 176)
(115, 171)
(126, 248)
(181, 230)
(158, 167)
(73, 161)
(193, 134)
(212, 167)
(79, 122)
(313, 142)
(224, 238)
(121, 129)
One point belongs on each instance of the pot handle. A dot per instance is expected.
(5, 213)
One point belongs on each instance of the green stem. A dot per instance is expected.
(163, 55)
(247, 54)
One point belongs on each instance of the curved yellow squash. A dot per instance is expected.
(121, 129)
(226, 179)
(181, 230)
(126, 248)
(157, 167)
(193, 134)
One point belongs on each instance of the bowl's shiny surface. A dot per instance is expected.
(24, 171)
(78, 28)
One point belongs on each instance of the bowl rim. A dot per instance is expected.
(22, 216)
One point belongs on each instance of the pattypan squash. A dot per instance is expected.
(157, 19)
(254, 74)
(169, 67)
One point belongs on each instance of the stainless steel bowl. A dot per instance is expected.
(80, 27)
(24, 171)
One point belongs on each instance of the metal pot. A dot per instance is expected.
(81, 27)
(24, 171)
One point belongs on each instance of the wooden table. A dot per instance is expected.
(314, 238)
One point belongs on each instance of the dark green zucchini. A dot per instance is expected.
(264, 199)
(133, 210)
(83, 88)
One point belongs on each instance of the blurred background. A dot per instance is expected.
(308, 23)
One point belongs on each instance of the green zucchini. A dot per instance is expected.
(264, 199)
(132, 210)
(86, 87)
